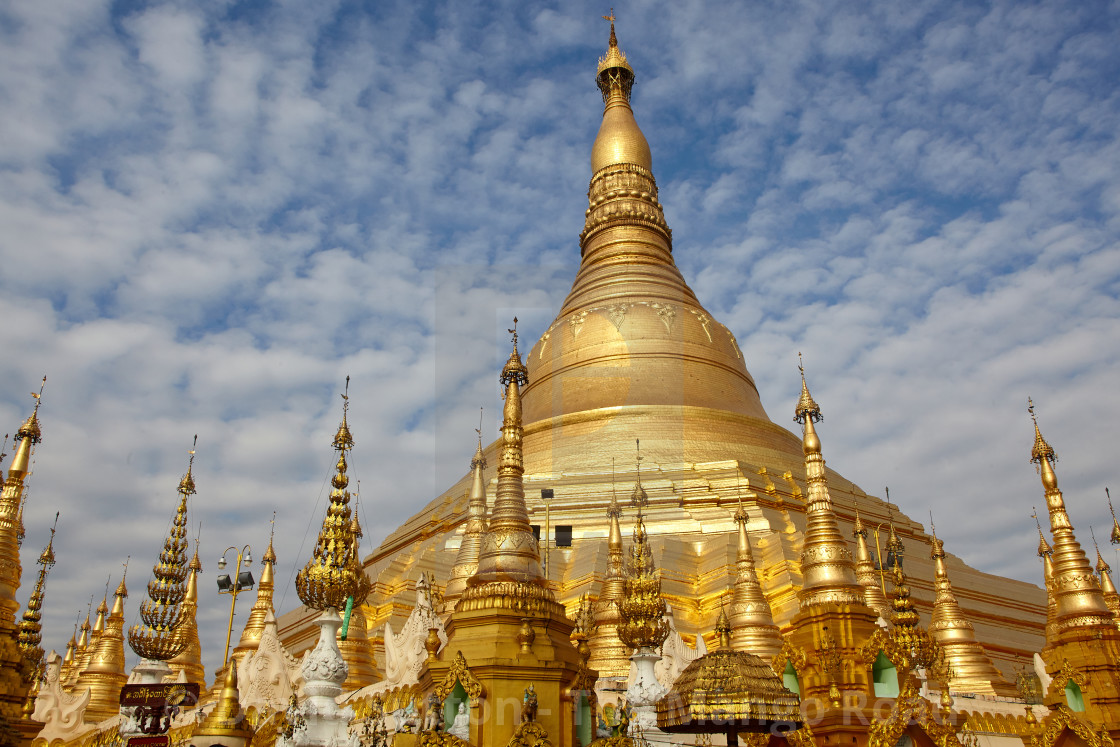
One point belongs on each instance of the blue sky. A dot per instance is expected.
(213, 212)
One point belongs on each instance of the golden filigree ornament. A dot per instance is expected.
(641, 608)
(1114, 538)
(614, 74)
(30, 627)
(334, 573)
(161, 636)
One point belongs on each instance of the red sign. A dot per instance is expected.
(175, 694)
(160, 741)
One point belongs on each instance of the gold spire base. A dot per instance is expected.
(515, 596)
(506, 652)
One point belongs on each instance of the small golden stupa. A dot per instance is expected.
(225, 725)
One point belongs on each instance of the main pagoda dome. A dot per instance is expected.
(632, 354)
(632, 351)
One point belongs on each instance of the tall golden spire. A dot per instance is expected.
(610, 657)
(971, 669)
(868, 577)
(629, 302)
(1045, 552)
(334, 572)
(752, 621)
(11, 502)
(1111, 598)
(1077, 591)
(466, 561)
(68, 657)
(826, 563)
(189, 660)
(254, 623)
(620, 141)
(160, 637)
(104, 675)
(81, 650)
(31, 626)
(509, 551)
(642, 609)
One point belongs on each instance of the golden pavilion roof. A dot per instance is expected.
(727, 690)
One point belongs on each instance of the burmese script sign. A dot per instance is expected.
(154, 707)
(163, 740)
(174, 694)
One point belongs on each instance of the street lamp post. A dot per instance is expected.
(241, 581)
(546, 497)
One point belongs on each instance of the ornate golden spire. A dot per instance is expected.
(610, 657)
(104, 674)
(1046, 552)
(160, 637)
(1044, 549)
(642, 609)
(910, 646)
(869, 579)
(971, 669)
(334, 572)
(68, 657)
(509, 551)
(1114, 538)
(189, 660)
(752, 621)
(1111, 598)
(620, 141)
(31, 627)
(826, 563)
(102, 611)
(466, 561)
(1078, 594)
(254, 623)
(82, 649)
(11, 503)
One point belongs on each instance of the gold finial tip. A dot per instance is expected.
(615, 59)
(1041, 450)
(1044, 548)
(807, 407)
(343, 439)
(514, 370)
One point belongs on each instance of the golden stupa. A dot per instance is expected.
(632, 354)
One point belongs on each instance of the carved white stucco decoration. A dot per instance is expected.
(675, 654)
(405, 652)
(271, 674)
(324, 671)
(60, 712)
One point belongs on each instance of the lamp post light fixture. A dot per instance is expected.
(242, 580)
(547, 495)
